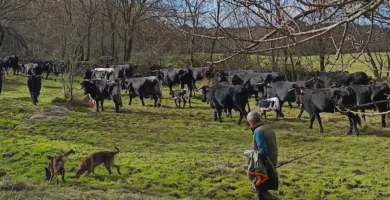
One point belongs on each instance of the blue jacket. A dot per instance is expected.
(261, 143)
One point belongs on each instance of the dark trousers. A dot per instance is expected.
(265, 195)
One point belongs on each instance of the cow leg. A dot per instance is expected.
(356, 120)
(350, 118)
(289, 105)
(300, 112)
(249, 108)
(277, 114)
(117, 107)
(189, 102)
(47, 74)
(215, 115)
(265, 114)
(184, 102)
(176, 103)
(179, 100)
(97, 105)
(141, 97)
(219, 112)
(363, 115)
(312, 118)
(384, 122)
(102, 104)
(230, 113)
(170, 89)
(280, 109)
(317, 115)
(63, 175)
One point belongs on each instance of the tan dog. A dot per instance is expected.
(93, 160)
(57, 166)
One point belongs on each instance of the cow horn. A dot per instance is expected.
(310, 79)
(259, 83)
(28, 75)
(291, 89)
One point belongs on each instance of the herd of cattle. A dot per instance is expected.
(319, 91)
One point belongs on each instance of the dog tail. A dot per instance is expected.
(117, 150)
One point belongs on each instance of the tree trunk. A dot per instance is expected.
(322, 54)
(128, 47)
(88, 44)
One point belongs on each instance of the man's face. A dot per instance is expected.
(251, 123)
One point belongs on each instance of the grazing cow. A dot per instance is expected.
(144, 87)
(366, 94)
(177, 76)
(10, 62)
(2, 71)
(100, 90)
(226, 98)
(122, 71)
(181, 94)
(34, 83)
(343, 78)
(316, 101)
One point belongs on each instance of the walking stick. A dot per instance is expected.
(295, 159)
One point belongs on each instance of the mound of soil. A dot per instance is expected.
(50, 112)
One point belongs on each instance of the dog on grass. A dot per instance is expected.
(93, 160)
(57, 166)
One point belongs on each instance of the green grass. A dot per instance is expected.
(169, 153)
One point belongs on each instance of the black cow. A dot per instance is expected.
(177, 76)
(100, 90)
(144, 87)
(122, 71)
(34, 83)
(343, 78)
(10, 62)
(33, 69)
(226, 98)
(366, 94)
(316, 101)
(2, 71)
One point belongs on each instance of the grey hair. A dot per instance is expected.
(253, 116)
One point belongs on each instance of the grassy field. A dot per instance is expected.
(169, 153)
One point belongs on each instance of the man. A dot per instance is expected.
(264, 141)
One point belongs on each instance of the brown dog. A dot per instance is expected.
(93, 160)
(57, 166)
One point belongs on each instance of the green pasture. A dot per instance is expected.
(170, 153)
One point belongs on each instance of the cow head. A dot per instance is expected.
(208, 72)
(88, 74)
(88, 87)
(204, 90)
(236, 80)
(314, 83)
(343, 96)
(34, 86)
(221, 76)
(380, 92)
